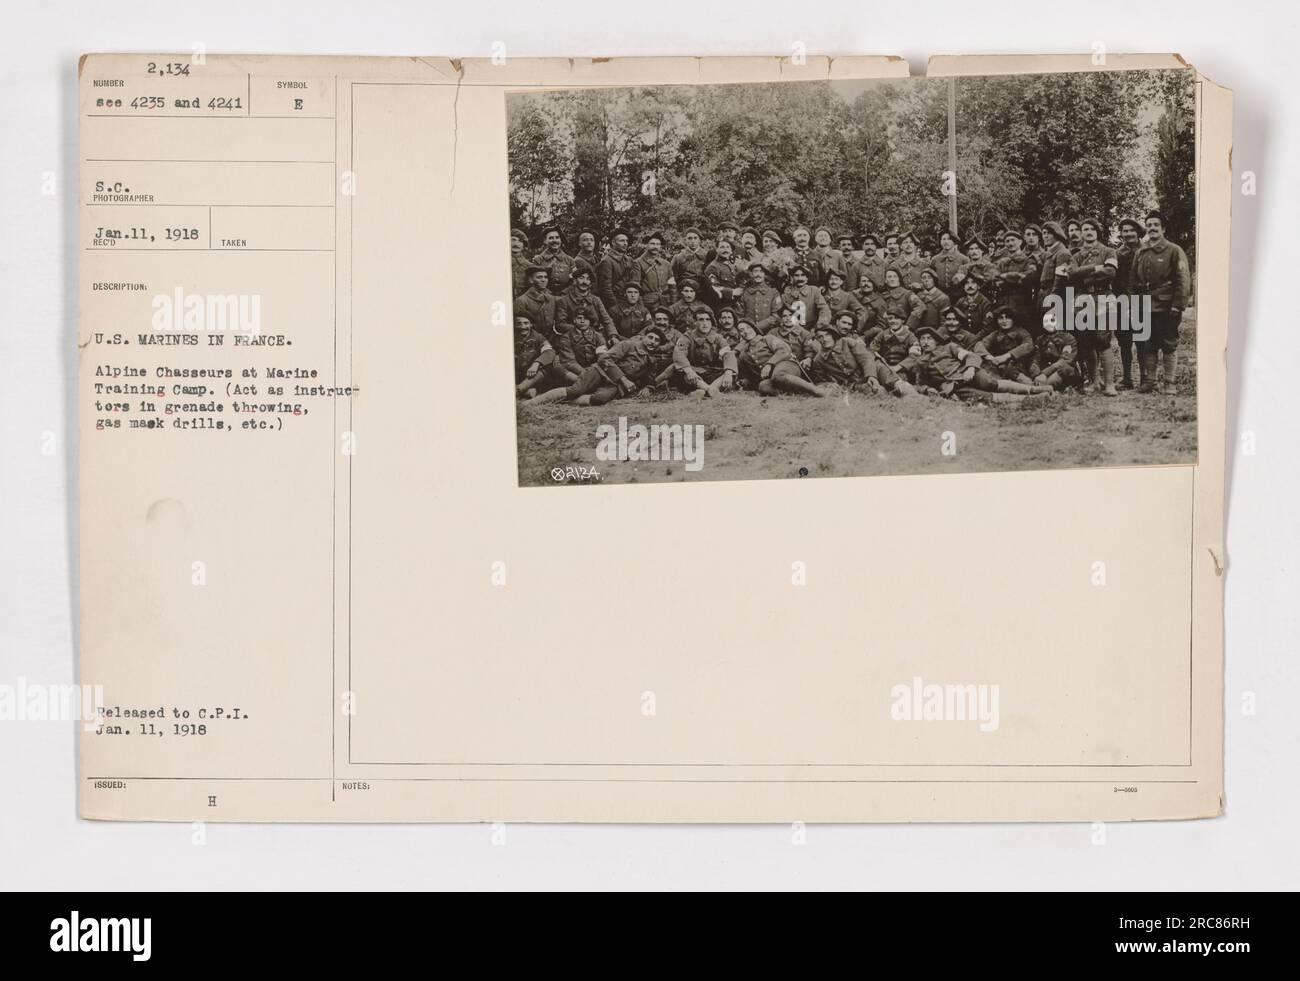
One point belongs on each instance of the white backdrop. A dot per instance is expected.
(44, 845)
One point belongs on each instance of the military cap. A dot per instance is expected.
(1159, 216)
(832, 271)
(1012, 233)
(977, 242)
(661, 309)
(1132, 223)
(1094, 223)
(749, 230)
(799, 228)
(581, 271)
(655, 329)
(909, 234)
(844, 236)
(927, 271)
(932, 331)
(1004, 311)
(655, 234)
(822, 228)
(889, 235)
(829, 328)
(1031, 227)
(552, 228)
(957, 312)
(691, 229)
(746, 320)
(520, 234)
(528, 273)
(523, 315)
(729, 224)
(759, 266)
(620, 230)
(844, 313)
(800, 267)
(871, 237)
(589, 231)
(1071, 221)
(706, 312)
(691, 283)
(1055, 228)
(774, 235)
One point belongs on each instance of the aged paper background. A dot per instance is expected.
(371, 573)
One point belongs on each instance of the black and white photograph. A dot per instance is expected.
(854, 278)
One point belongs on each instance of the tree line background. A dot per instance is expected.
(1029, 148)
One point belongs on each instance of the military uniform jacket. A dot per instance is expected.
(532, 348)
(662, 358)
(1049, 280)
(653, 275)
(837, 301)
(630, 320)
(1015, 341)
(1124, 269)
(904, 302)
(696, 350)
(560, 265)
(1053, 347)
(586, 261)
(724, 279)
(872, 317)
(976, 309)
(683, 314)
(909, 270)
(873, 269)
(1085, 278)
(540, 307)
(578, 348)
(1018, 280)
(762, 305)
(568, 305)
(763, 350)
(935, 302)
(817, 275)
(628, 359)
(612, 275)
(810, 301)
(848, 362)
(801, 342)
(895, 349)
(1162, 271)
(829, 259)
(943, 367)
(946, 266)
(689, 265)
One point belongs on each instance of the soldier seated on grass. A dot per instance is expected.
(622, 370)
(896, 345)
(1007, 349)
(844, 362)
(947, 369)
(767, 363)
(535, 367)
(705, 365)
(1055, 361)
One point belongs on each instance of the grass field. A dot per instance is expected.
(748, 436)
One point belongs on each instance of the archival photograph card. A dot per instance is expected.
(450, 310)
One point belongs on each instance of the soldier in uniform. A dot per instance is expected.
(908, 264)
(768, 364)
(662, 357)
(705, 365)
(955, 329)
(772, 244)
(1130, 234)
(557, 262)
(1055, 360)
(623, 369)
(838, 299)
(843, 359)
(1017, 278)
(804, 299)
(689, 263)
(653, 272)
(519, 262)
(1095, 266)
(748, 252)
(827, 257)
(896, 345)
(1073, 234)
(1160, 270)
(796, 337)
(587, 258)
(577, 345)
(1054, 275)
(614, 270)
(978, 267)
(535, 367)
(804, 256)
(891, 247)
(898, 299)
(974, 306)
(946, 368)
(1007, 351)
(537, 301)
(580, 297)
(631, 316)
(934, 300)
(724, 279)
(872, 320)
(759, 302)
(871, 266)
(685, 309)
(949, 266)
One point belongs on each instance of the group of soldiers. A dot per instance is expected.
(818, 313)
